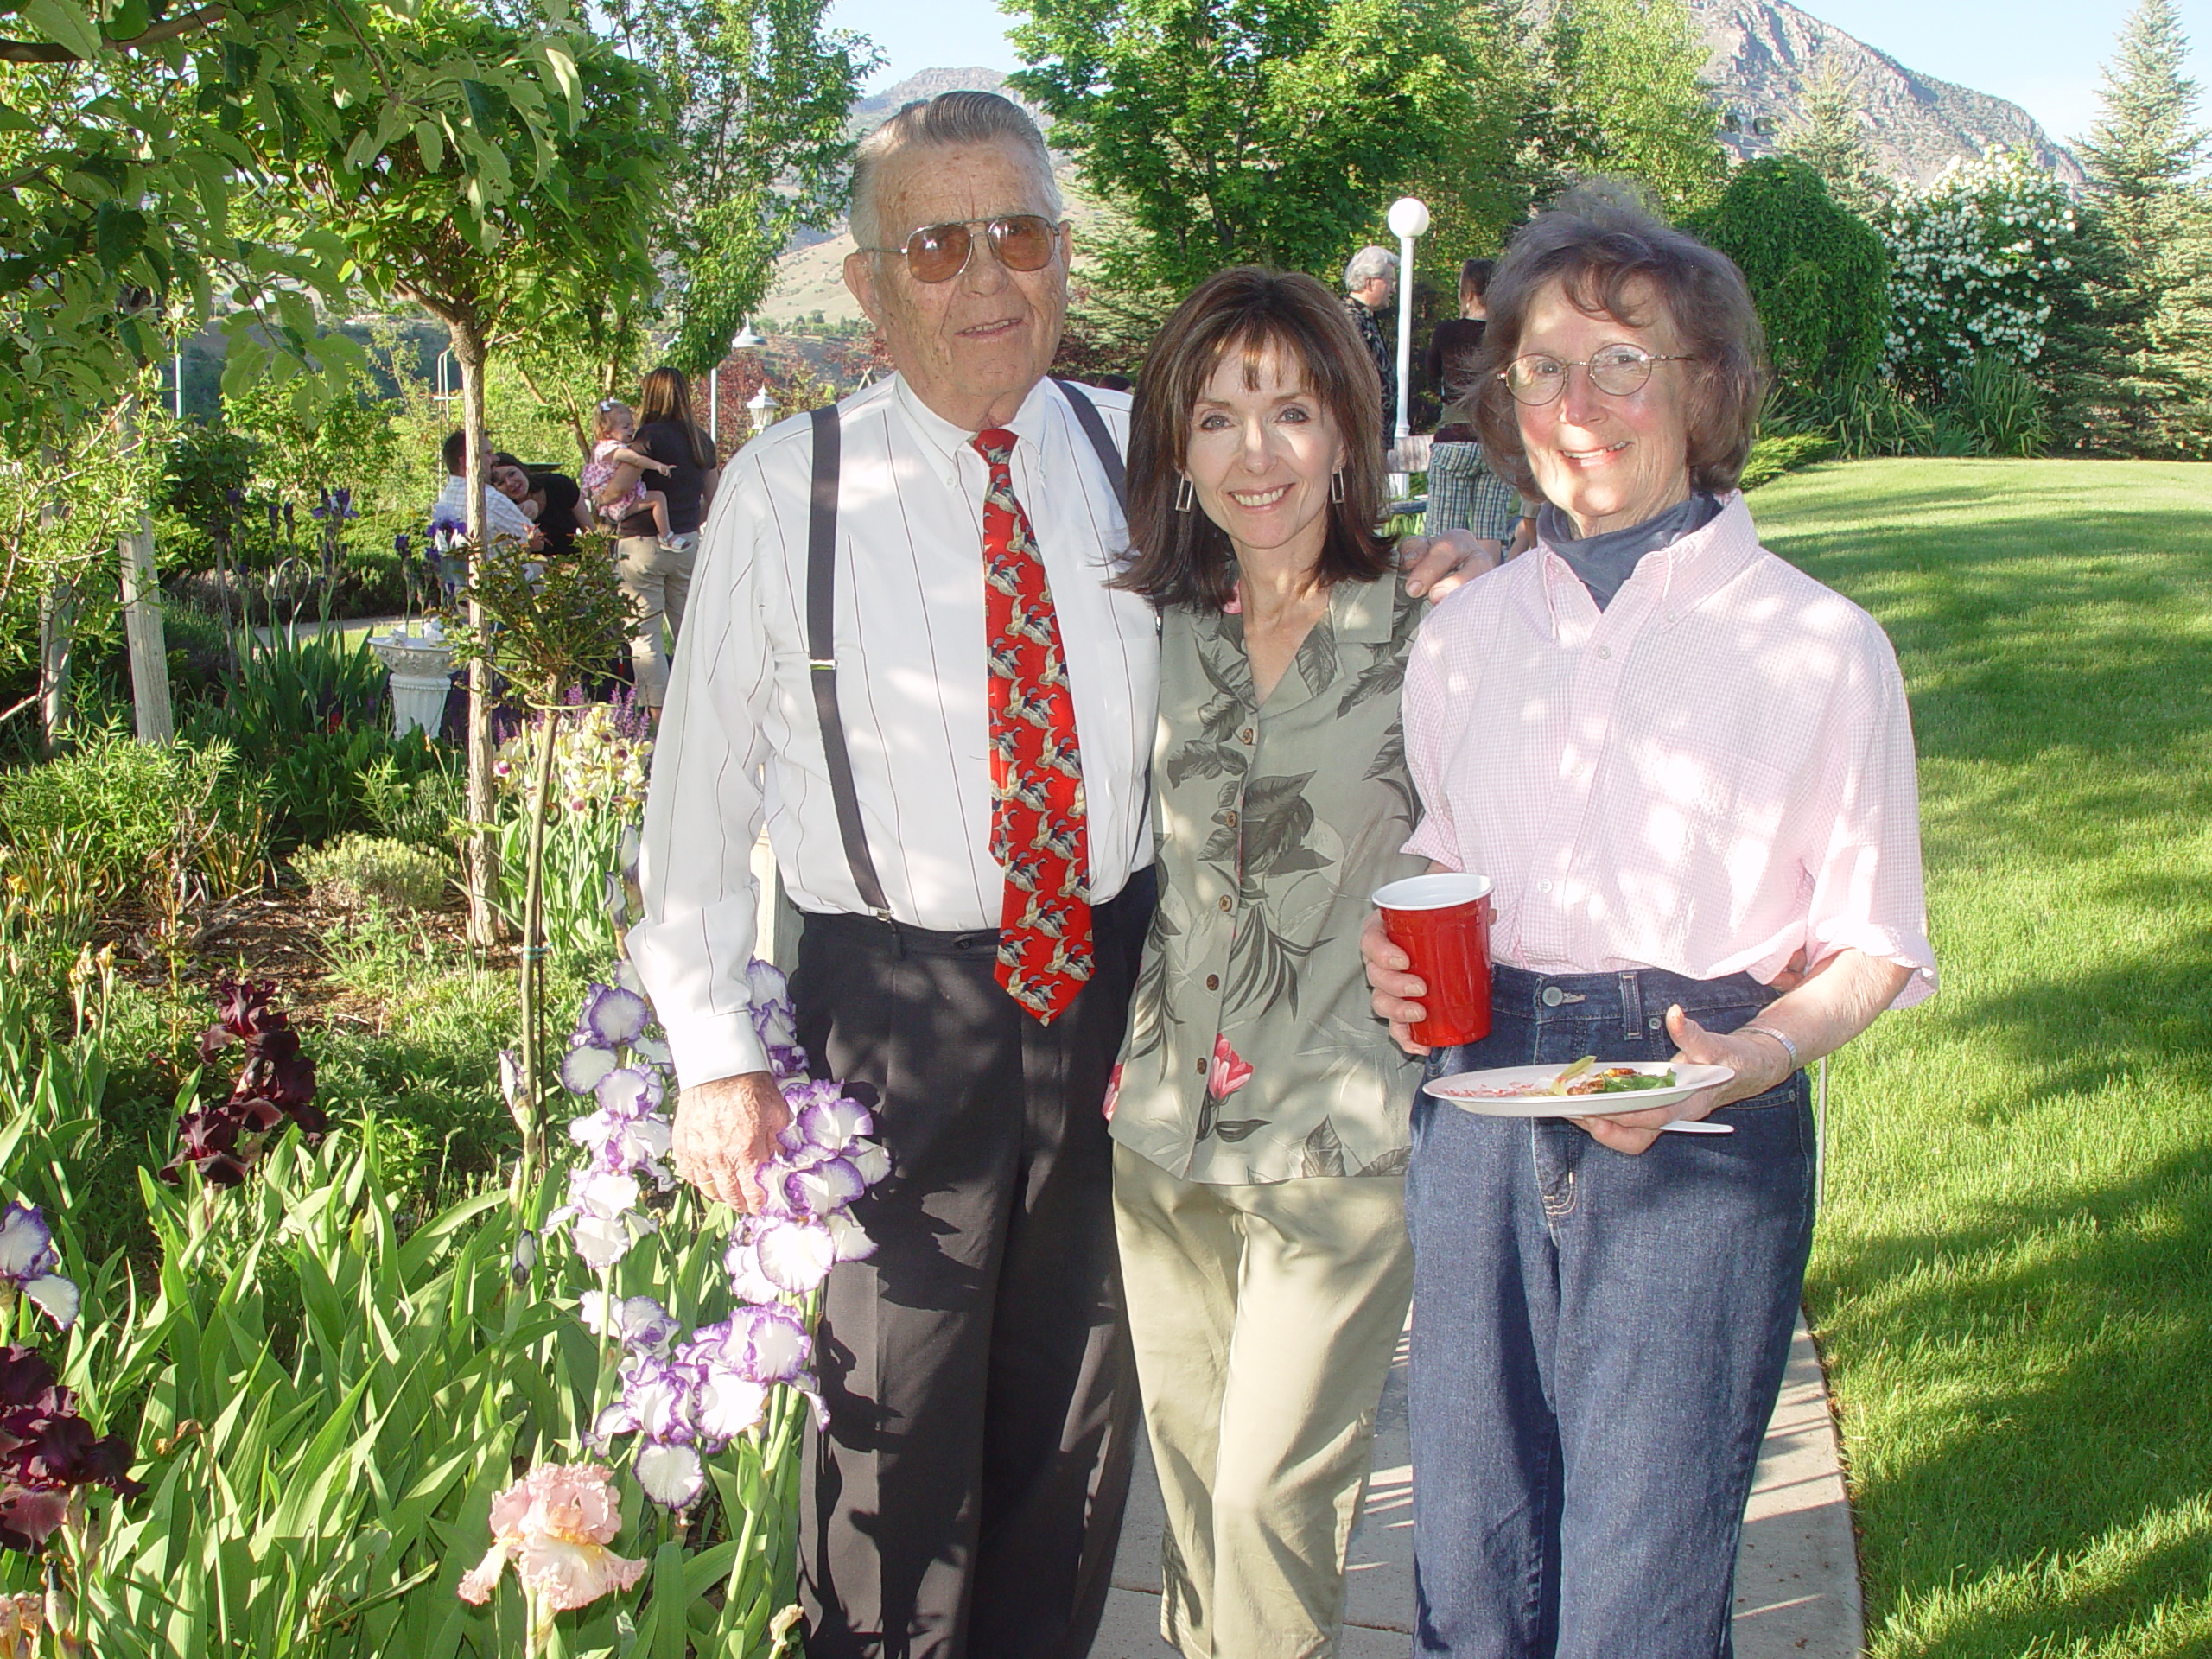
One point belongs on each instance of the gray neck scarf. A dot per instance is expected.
(1605, 561)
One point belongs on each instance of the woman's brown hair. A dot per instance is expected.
(665, 395)
(1185, 558)
(1615, 258)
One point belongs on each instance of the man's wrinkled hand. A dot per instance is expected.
(725, 1130)
(1437, 565)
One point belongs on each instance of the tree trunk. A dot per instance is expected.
(57, 635)
(57, 631)
(142, 616)
(482, 859)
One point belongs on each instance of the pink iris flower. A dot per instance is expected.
(555, 1525)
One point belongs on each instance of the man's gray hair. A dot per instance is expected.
(1366, 265)
(949, 119)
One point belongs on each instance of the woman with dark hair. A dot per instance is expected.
(1686, 769)
(1259, 1110)
(656, 571)
(550, 500)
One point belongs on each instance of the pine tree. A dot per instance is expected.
(2138, 376)
(1830, 138)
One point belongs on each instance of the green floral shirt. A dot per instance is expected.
(1253, 1055)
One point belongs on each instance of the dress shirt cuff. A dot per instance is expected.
(715, 1045)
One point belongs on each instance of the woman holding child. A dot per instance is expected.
(657, 542)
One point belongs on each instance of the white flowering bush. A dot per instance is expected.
(1977, 260)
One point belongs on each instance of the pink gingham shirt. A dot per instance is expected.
(1711, 775)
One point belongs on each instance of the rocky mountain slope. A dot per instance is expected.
(1767, 54)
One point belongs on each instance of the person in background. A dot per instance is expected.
(1259, 1107)
(1462, 493)
(1370, 288)
(655, 569)
(616, 425)
(1688, 769)
(550, 500)
(504, 520)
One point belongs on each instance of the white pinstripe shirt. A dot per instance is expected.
(740, 743)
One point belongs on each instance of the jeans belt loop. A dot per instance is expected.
(1632, 1006)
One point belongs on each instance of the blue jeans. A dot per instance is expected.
(1598, 1339)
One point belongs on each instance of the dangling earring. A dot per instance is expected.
(1337, 486)
(1186, 496)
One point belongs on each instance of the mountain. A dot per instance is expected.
(1766, 55)
(928, 83)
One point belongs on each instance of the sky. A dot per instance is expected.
(2043, 54)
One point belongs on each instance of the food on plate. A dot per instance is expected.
(1585, 1077)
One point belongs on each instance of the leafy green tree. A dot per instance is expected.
(1622, 93)
(1818, 274)
(2136, 363)
(1831, 139)
(1229, 131)
(528, 200)
(758, 92)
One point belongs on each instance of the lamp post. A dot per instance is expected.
(1409, 218)
(763, 405)
(746, 339)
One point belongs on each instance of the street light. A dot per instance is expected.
(1409, 218)
(746, 339)
(763, 405)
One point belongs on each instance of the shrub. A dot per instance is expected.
(1818, 274)
(1875, 418)
(355, 871)
(120, 820)
(2002, 407)
(1771, 457)
(1978, 260)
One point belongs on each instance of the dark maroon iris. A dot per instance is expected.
(275, 1086)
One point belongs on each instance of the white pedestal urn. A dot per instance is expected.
(422, 675)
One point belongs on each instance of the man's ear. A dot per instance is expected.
(860, 282)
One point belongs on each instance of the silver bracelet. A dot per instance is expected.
(1788, 1048)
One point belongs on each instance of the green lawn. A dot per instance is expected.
(2013, 1281)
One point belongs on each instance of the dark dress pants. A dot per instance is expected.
(967, 1496)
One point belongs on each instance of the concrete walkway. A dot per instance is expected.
(1796, 1575)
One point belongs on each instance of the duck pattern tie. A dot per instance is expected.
(1037, 822)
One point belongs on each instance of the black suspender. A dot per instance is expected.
(822, 620)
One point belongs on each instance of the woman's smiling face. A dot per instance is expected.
(1260, 456)
(1606, 461)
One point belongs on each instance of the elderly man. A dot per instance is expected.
(1370, 288)
(904, 655)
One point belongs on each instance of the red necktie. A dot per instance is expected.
(1038, 833)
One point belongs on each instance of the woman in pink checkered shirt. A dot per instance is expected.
(1688, 769)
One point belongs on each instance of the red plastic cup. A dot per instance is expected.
(1442, 922)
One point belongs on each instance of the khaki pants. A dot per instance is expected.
(1264, 1320)
(658, 575)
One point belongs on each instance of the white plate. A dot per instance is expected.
(1529, 1082)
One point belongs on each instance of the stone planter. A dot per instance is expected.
(422, 675)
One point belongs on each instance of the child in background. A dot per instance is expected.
(617, 426)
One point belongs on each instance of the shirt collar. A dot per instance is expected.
(1365, 613)
(1686, 573)
(948, 442)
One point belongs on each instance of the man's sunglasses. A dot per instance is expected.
(937, 253)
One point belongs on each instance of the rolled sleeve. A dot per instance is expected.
(1867, 890)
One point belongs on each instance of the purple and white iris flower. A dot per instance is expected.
(687, 1397)
(28, 1261)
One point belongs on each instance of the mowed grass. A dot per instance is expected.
(2013, 1279)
